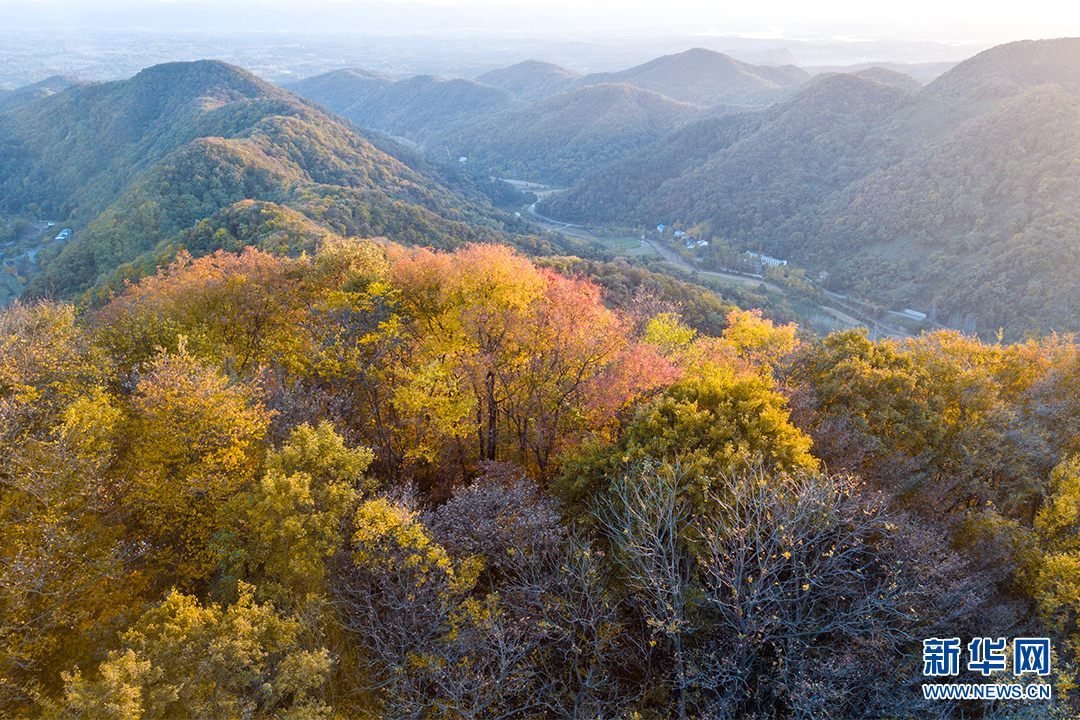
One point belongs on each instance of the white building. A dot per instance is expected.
(766, 260)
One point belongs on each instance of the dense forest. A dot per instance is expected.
(382, 481)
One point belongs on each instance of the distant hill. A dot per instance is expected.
(958, 200)
(890, 77)
(1006, 69)
(416, 109)
(14, 98)
(924, 73)
(134, 165)
(563, 136)
(531, 80)
(340, 89)
(705, 77)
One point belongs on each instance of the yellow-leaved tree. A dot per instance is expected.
(196, 442)
(62, 554)
(290, 523)
(185, 659)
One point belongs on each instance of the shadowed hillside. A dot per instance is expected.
(742, 167)
(958, 200)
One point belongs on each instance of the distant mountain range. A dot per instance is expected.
(698, 76)
(416, 109)
(705, 77)
(958, 199)
(540, 121)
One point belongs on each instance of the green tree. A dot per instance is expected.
(714, 424)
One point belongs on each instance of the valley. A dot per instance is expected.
(630, 155)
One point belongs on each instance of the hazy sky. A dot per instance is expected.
(945, 20)
(941, 20)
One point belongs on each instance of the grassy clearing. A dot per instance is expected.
(627, 245)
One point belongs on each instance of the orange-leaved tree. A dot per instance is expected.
(241, 310)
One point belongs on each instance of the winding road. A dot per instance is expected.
(677, 260)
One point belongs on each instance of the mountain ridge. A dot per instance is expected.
(531, 80)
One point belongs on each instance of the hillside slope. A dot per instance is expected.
(745, 166)
(10, 99)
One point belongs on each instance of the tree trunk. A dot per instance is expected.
(492, 418)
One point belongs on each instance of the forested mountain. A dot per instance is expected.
(705, 77)
(1008, 69)
(561, 137)
(134, 164)
(956, 200)
(531, 79)
(417, 108)
(781, 157)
